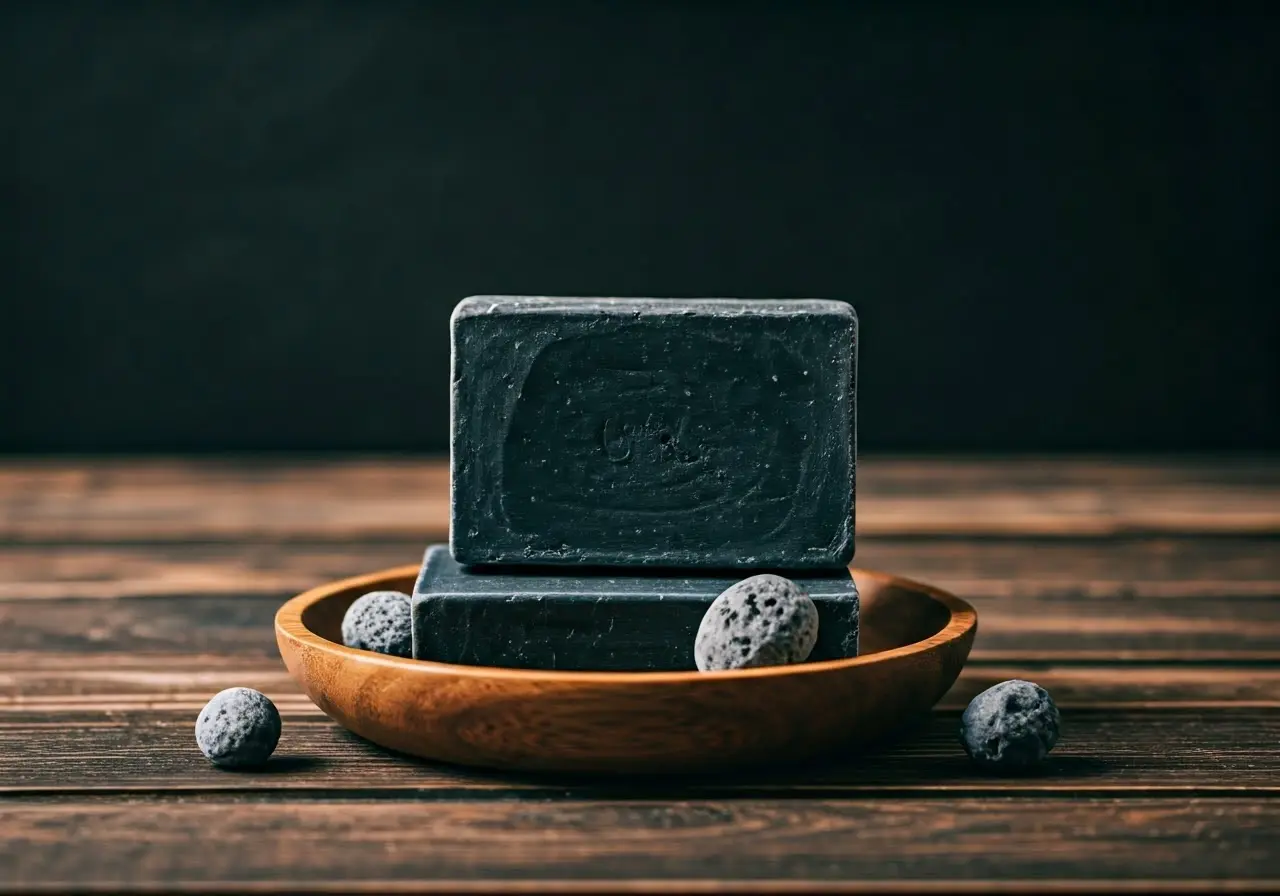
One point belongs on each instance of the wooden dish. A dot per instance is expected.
(915, 640)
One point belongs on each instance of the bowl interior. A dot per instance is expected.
(893, 613)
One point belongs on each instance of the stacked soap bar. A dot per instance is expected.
(594, 440)
(615, 620)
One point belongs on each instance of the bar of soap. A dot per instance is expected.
(708, 433)
(638, 621)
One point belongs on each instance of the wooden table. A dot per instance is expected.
(1144, 595)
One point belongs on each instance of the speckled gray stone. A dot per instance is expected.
(1010, 726)
(765, 620)
(679, 433)
(606, 620)
(379, 621)
(238, 728)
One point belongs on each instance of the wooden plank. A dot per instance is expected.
(1041, 627)
(1111, 569)
(1102, 569)
(274, 569)
(1056, 497)
(217, 499)
(1064, 627)
(1215, 752)
(1119, 686)
(57, 683)
(159, 500)
(1091, 601)
(634, 845)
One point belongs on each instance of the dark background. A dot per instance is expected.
(243, 226)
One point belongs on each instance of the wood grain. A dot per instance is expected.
(1144, 594)
(1163, 567)
(865, 844)
(55, 683)
(1049, 626)
(219, 500)
(1188, 753)
(1122, 686)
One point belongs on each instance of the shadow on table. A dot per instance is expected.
(285, 765)
(917, 756)
(280, 765)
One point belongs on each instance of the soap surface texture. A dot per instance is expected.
(601, 620)
(709, 433)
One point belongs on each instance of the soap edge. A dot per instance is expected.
(482, 305)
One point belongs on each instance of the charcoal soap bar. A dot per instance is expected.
(709, 433)
(642, 621)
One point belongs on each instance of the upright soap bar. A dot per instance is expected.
(706, 433)
(642, 621)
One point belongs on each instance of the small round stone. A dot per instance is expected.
(380, 621)
(238, 728)
(1010, 726)
(765, 620)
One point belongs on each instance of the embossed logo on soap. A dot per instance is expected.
(653, 440)
(626, 431)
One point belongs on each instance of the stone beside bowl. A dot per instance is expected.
(915, 640)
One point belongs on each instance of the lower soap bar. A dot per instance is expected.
(636, 622)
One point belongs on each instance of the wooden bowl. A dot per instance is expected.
(915, 639)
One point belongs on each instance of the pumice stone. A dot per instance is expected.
(695, 433)
(631, 620)
(379, 621)
(1010, 726)
(765, 620)
(238, 728)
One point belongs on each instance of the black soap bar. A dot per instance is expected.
(641, 621)
(708, 433)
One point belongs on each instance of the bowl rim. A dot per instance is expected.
(290, 628)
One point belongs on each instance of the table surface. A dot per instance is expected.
(1142, 594)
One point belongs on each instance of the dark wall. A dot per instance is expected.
(243, 226)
